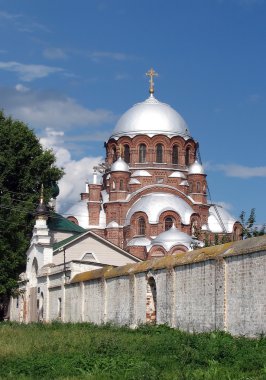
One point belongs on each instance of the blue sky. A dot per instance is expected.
(71, 68)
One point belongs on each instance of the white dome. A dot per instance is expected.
(196, 168)
(119, 166)
(214, 220)
(151, 117)
(80, 211)
(170, 238)
(156, 203)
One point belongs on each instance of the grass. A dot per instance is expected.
(85, 351)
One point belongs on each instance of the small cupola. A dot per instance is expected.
(197, 182)
(120, 166)
(119, 178)
(41, 211)
(195, 168)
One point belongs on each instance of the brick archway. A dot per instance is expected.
(151, 301)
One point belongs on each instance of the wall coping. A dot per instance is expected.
(217, 252)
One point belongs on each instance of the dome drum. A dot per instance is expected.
(145, 151)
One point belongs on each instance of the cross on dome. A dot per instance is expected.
(151, 73)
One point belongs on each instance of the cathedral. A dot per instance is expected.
(149, 197)
(147, 200)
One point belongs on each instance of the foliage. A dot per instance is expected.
(249, 228)
(85, 351)
(24, 166)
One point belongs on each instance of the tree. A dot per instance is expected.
(24, 166)
(249, 228)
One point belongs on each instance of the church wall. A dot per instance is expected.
(15, 307)
(246, 294)
(195, 296)
(118, 300)
(94, 301)
(55, 304)
(140, 290)
(214, 288)
(73, 303)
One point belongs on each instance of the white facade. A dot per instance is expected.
(215, 288)
(52, 262)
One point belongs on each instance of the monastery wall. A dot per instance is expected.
(215, 288)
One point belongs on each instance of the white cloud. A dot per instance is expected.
(29, 72)
(54, 53)
(20, 88)
(48, 109)
(77, 172)
(22, 23)
(240, 171)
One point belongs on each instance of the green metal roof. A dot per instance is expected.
(57, 222)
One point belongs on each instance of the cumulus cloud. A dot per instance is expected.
(29, 72)
(77, 172)
(47, 109)
(240, 171)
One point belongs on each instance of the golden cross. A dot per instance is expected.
(151, 73)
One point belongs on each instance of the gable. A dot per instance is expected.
(77, 246)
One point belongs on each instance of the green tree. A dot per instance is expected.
(24, 166)
(249, 228)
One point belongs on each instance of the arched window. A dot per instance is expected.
(126, 154)
(34, 271)
(175, 154)
(151, 301)
(141, 226)
(121, 184)
(187, 156)
(114, 155)
(142, 153)
(168, 222)
(198, 187)
(159, 153)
